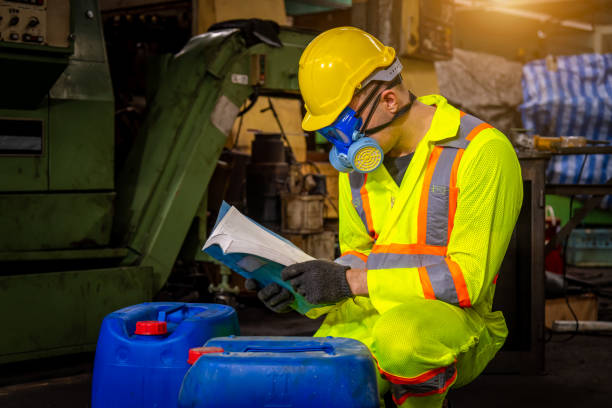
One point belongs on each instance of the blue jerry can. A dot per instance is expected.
(142, 351)
(281, 372)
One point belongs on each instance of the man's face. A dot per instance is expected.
(383, 113)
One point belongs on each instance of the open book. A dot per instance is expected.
(254, 251)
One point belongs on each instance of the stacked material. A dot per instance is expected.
(571, 96)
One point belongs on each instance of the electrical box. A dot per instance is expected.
(35, 22)
(35, 45)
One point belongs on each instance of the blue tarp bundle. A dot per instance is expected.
(575, 99)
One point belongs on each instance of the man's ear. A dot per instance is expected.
(389, 100)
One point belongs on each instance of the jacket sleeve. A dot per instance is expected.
(489, 196)
(355, 242)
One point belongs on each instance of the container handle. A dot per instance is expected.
(327, 348)
(162, 314)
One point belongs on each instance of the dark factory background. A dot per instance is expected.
(121, 136)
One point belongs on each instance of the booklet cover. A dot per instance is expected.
(253, 251)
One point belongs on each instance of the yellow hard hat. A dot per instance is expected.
(332, 67)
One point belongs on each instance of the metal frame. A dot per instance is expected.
(580, 189)
(520, 289)
(522, 272)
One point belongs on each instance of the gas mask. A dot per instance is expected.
(353, 149)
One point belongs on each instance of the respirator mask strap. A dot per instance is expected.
(402, 111)
(395, 81)
(371, 113)
(369, 99)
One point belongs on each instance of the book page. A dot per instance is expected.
(236, 233)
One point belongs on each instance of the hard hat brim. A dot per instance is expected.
(312, 123)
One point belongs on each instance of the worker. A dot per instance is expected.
(428, 200)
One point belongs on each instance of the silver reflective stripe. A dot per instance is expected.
(467, 124)
(438, 195)
(436, 383)
(442, 283)
(389, 260)
(357, 181)
(351, 260)
(438, 198)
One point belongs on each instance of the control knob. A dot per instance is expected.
(33, 22)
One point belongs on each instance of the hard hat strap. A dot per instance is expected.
(371, 113)
(369, 99)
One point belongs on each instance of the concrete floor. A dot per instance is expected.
(578, 373)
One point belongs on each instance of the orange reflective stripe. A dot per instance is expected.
(410, 249)
(461, 114)
(366, 208)
(435, 381)
(359, 255)
(422, 216)
(441, 390)
(414, 380)
(477, 130)
(428, 291)
(396, 379)
(455, 169)
(453, 193)
(460, 285)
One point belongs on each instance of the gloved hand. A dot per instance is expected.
(318, 281)
(273, 295)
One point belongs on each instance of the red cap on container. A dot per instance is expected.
(151, 328)
(197, 352)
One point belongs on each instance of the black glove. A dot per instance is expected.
(273, 295)
(318, 281)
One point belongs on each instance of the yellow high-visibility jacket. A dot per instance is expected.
(441, 235)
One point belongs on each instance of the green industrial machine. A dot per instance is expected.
(76, 240)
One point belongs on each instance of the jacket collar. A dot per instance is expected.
(445, 122)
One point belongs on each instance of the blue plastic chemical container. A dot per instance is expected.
(281, 372)
(142, 351)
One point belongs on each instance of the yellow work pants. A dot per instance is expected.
(418, 345)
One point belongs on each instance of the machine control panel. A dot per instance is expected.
(33, 21)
